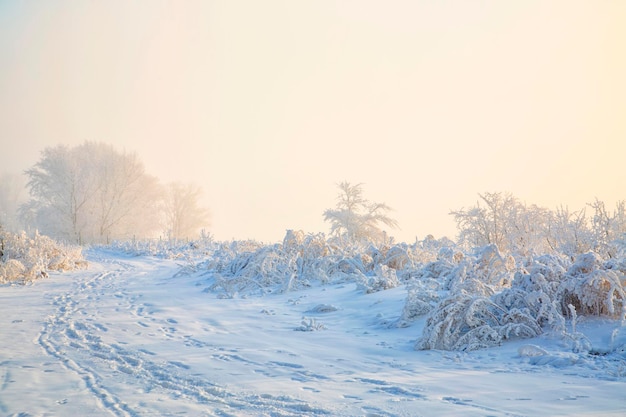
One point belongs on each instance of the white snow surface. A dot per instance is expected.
(132, 336)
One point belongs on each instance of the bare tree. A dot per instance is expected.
(124, 197)
(60, 190)
(91, 193)
(356, 218)
(183, 215)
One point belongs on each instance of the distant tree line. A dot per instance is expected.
(92, 193)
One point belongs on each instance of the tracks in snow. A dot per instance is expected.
(118, 373)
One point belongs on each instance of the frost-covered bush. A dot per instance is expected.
(24, 258)
(309, 324)
(426, 284)
(167, 248)
(592, 289)
(258, 271)
(531, 295)
(488, 300)
(302, 259)
(12, 270)
(493, 267)
(383, 278)
(483, 272)
(467, 322)
(400, 257)
(422, 297)
(314, 256)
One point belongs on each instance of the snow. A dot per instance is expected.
(133, 336)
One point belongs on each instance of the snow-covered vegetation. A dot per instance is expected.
(470, 299)
(25, 258)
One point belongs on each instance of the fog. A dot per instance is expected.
(269, 105)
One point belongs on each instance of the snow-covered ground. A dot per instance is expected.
(132, 336)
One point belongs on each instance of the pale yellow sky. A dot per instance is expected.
(269, 104)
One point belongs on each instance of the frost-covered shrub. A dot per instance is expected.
(204, 247)
(384, 278)
(485, 272)
(309, 325)
(426, 283)
(305, 258)
(406, 259)
(467, 322)
(482, 273)
(399, 256)
(488, 301)
(484, 306)
(531, 294)
(293, 240)
(592, 289)
(222, 254)
(552, 269)
(262, 269)
(442, 270)
(422, 297)
(312, 258)
(493, 267)
(24, 258)
(11, 270)
(323, 308)
(450, 254)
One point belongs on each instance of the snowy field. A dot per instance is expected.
(133, 336)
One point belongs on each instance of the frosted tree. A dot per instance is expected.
(124, 198)
(501, 219)
(356, 218)
(91, 193)
(485, 224)
(60, 189)
(184, 217)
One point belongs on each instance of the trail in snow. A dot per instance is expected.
(74, 335)
(133, 337)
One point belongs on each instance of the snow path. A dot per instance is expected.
(131, 337)
(75, 336)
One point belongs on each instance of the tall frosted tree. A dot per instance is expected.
(355, 218)
(91, 193)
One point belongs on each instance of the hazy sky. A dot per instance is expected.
(269, 104)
